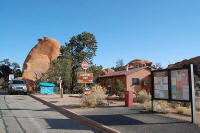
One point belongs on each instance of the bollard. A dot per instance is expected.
(128, 98)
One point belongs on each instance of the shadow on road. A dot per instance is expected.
(68, 124)
(118, 119)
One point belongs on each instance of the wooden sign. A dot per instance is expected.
(85, 77)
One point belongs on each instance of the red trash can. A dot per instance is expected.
(128, 98)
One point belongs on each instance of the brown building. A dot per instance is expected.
(133, 79)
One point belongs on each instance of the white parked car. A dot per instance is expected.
(17, 85)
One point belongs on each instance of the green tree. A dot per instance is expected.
(96, 70)
(60, 68)
(6, 68)
(119, 88)
(81, 47)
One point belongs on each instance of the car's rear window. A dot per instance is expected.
(18, 82)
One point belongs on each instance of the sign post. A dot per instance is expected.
(175, 84)
(11, 76)
(61, 89)
(85, 77)
(84, 65)
(193, 106)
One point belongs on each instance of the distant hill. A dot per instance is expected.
(187, 62)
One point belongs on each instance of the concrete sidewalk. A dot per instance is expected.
(134, 120)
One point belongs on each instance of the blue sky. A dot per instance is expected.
(164, 31)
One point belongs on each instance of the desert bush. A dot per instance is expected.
(147, 105)
(183, 110)
(174, 104)
(95, 98)
(162, 107)
(143, 96)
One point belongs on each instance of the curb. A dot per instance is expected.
(100, 127)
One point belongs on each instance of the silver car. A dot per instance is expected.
(17, 85)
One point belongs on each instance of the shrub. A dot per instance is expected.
(183, 110)
(174, 104)
(162, 107)
(143, 96)
(95, 98)
(119, 88)
(148, 106)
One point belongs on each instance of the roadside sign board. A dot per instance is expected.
(161, 85)
(85, 77)
(180, 84)
(11, 76)
(171, 84)
(84, 65)
(175, 84)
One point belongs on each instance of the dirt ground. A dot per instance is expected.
(72, 102)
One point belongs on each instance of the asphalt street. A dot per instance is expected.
(23, 114)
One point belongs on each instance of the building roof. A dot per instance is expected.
(124, 72)
(47, 84)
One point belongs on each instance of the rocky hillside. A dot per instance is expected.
(187, 62)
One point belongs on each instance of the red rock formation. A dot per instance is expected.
(107, 71)
(138, 63)
(39, 58)
(195, 61)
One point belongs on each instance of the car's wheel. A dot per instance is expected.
(25, 93)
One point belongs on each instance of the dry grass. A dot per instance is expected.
(95, 98)
(162, 107)
(165, 107)
(143, 97)
(147, 106)
(183, 110)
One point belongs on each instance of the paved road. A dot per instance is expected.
(23, 114)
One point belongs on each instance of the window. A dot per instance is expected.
(104, 84)
(18, 82)
(135, 81)
(145, 82)
(109, 82)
